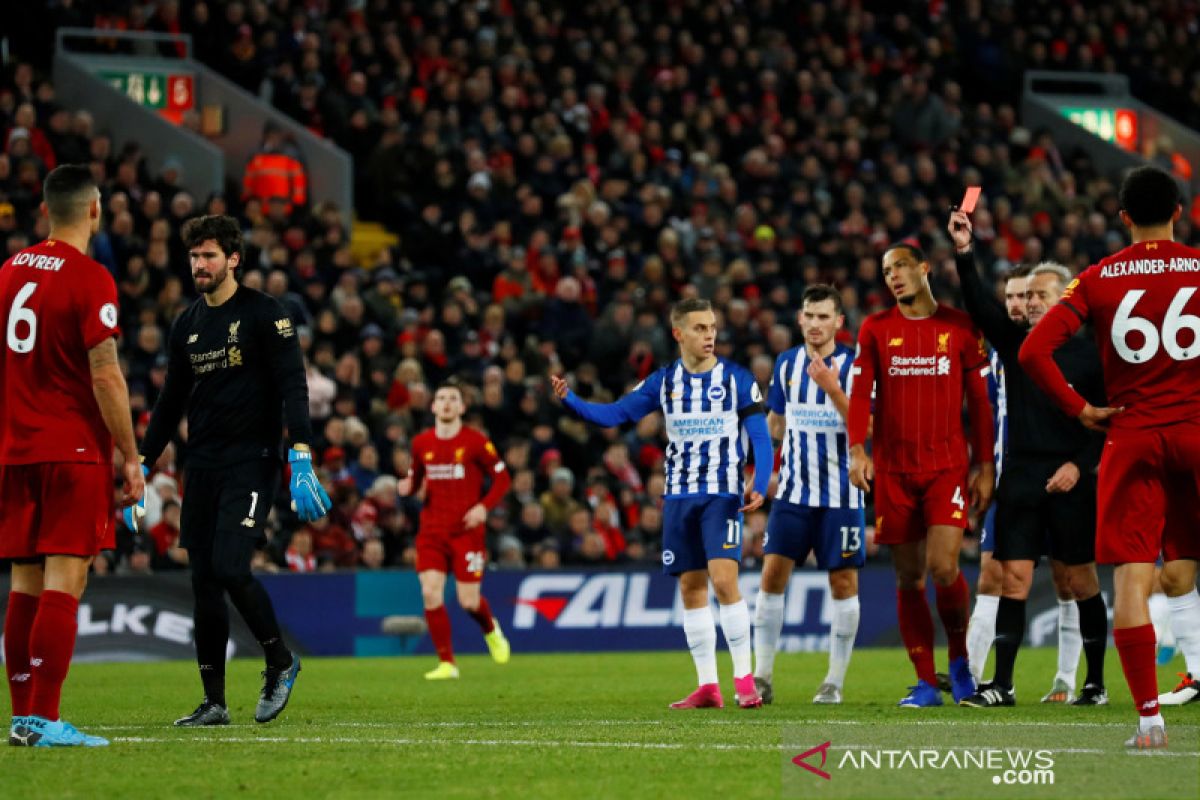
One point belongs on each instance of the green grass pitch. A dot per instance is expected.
(580, 725)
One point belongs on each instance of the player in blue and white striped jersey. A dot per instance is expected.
(816, 508)
(707, 402)
(981, 629)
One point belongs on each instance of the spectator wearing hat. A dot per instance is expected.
(557, 502)
(513, 287)
(383, 300)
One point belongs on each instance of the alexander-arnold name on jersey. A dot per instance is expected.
(1149, 266)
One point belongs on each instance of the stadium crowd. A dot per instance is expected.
(558, 174)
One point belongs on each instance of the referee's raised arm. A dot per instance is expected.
(993, 320)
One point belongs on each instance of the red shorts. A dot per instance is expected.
(1147, 495)
(907, 504)
(56, 509)
(464, 554)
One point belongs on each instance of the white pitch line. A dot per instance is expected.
(689, 720)
(408, 742)
(441, 742)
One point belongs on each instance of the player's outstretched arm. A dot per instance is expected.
(112, 395)
(630, 408)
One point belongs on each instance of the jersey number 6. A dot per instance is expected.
(1175, 321)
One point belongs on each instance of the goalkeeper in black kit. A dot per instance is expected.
(234, 366)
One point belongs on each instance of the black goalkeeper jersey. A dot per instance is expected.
(235, 369)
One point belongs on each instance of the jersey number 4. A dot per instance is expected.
(18, 314)
(1175, 321)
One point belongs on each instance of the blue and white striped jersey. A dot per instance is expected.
(998, 394)
(815, 470)
(703, 414)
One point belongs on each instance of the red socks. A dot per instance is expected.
(439, 631)
(51, 643)
(18, 622)
(954, 607)
(483, 615)
(916, 629)
(1136, 648)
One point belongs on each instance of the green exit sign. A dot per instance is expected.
(157, 90)
(1117, 126)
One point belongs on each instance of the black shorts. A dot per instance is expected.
(1031, 522)
(234, 500)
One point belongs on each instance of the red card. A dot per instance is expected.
(970, 199)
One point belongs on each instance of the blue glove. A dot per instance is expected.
(309, 499)
(131, 514)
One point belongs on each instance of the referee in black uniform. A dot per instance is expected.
(234, 365)
(1047, 494)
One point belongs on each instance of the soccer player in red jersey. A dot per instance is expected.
(1142, 306)
(919, 358)
(63, 402)
(452, 460)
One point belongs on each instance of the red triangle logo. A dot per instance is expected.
(823, 749)
(548, 607)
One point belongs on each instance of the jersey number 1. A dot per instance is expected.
(17, 314)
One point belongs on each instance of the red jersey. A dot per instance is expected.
(919, 370)
(453, 471)
(55, 305)
(1142, 305)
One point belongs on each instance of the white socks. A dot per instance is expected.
(735, 622)
(701, 632)
(1160, 618)
(1185, 622)
(1070, 641)
(841, 638)
(768, 622)
(981, 631)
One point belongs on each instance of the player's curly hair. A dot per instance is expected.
(1149, 196)
(222, 229)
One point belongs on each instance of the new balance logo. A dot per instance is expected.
(1150, 705)
(22, 737)
(192, 339)
(20, 677)
(248, 522)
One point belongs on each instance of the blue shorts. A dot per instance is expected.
(699, 529)
(987, 531)
(836, 535)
